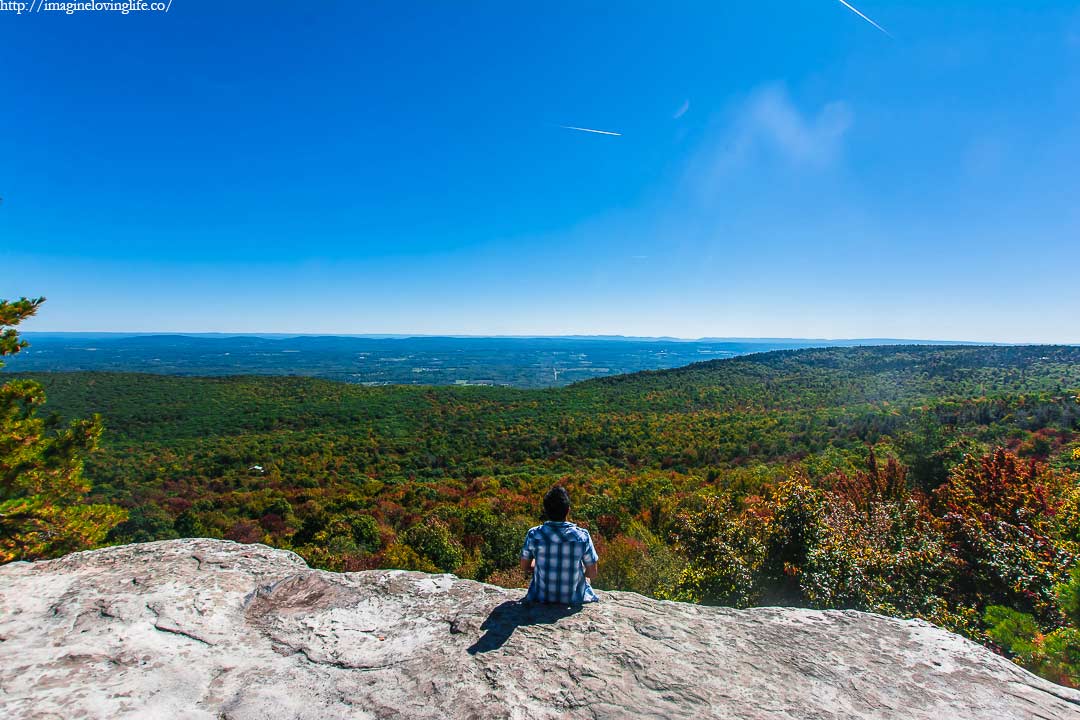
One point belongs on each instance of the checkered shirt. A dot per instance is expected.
(561, 550)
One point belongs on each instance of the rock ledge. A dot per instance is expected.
(211, 629)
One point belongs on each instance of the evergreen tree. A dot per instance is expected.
(43, 510)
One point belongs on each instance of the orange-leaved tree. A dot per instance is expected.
(999, 517)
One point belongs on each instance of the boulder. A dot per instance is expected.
(212, 629)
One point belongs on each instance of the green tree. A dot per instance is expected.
(1068, 596)
(500, 538)
(43, 510)
(432, 540)
(929, 450)
(724, 553)
(1055, 656)
(796, 528)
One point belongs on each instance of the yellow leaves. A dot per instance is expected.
(32, 528)
(402, 557)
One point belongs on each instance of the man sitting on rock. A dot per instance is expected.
(560, 555)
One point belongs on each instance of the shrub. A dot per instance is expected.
(403, 557)
(724, 555)
(997, 519)
(432, 540)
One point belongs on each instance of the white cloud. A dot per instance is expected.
(768, 121)
(766, 139)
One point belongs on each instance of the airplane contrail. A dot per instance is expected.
(855, 10)
(599, 132)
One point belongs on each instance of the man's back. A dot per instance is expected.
(561, 551)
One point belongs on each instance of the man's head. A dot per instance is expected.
(557, 504)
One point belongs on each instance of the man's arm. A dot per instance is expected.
(591, 560)
(528, 554)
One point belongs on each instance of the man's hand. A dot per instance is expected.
(527, 565)
(591, 571)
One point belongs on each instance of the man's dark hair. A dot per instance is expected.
(557, 504)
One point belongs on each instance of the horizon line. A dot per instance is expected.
(540, 336)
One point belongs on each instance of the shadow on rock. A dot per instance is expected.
(505, 618)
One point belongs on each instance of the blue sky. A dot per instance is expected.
(784, 168)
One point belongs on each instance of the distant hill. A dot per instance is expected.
(408, 360)
(769, 407)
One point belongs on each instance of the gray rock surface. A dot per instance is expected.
(210, 629)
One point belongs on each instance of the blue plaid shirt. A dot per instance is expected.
(561, 550)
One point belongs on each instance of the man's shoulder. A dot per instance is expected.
(559, 533)
(575, 530)
(583, 532)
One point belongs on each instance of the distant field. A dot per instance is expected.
(516, 362)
